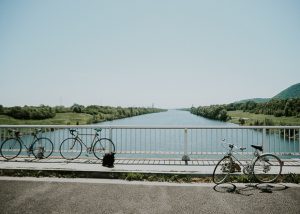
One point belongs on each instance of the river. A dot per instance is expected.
(168, 118)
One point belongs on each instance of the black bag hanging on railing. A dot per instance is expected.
(108, 159)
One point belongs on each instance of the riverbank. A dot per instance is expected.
(69, 118)
(246, 118)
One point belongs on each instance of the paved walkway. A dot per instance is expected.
(54, 195)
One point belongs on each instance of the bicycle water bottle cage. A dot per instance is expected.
(257, 147)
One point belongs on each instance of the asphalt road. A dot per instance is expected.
(75, 197)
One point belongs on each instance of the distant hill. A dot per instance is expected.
(257, 100)
(291, 92)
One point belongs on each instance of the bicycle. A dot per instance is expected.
(265, 167)
(71, 148)
(41, 147)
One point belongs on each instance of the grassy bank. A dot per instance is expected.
(132, 176)
(251, 119)
(74, 115)
(59, 119)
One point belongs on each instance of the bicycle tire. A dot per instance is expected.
(15, 150)
(46, 143)
(103, 146)
(70, 148)
(267, 168)
(222, 170)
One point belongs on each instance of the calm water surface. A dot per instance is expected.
(168, 118)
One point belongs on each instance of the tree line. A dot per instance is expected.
(215, 112)
(28, 112)
(276, 107)
(104, 113)
(99, 113)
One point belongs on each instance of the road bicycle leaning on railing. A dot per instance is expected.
(41, 147)
(265, 167)
(71, 148)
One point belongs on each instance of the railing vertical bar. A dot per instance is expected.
(154, 140)
(299, 140)
(211, 146)
(279, 141)
(121, 139)
(206, 141)
(289, 136)
(294, 151)
(198, 145)
(135, 147)
(284, 138)
(269, 133)
(215, 140)
(274, 141)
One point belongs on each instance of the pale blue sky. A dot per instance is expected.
(135, 53)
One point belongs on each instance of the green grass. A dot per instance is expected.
(59, 119)
(250, 118)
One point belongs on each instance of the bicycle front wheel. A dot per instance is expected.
(70, 148)
(42, 148)
(103, 146)
(267, 168)
(10, 148)
(222, 170)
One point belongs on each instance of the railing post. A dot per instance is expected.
(110, 137)
(264, 143)
(185, 156)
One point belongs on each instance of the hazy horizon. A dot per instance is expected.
(170, 54)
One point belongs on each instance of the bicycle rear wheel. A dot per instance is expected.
(103, 146)
(43, 145)
(70, 148)
(222, 170)
(10, 148)
(267, 168)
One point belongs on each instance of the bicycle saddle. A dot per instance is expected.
(98, 129)
(257, 147)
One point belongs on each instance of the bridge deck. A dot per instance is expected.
(137, 161)
(93, 168)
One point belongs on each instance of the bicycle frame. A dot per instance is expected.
(18, 138)
(256, 155)
(96, 138)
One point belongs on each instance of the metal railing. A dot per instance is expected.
(179, 142)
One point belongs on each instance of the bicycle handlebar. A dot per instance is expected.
(72, 131)
(231, 146)
(15, 132)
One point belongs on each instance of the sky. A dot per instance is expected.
(166, 53)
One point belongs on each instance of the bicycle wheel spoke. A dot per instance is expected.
(70, 148)
(10, 148)
(222, 169)
(42, 148)
(102, 147)
(267, 168)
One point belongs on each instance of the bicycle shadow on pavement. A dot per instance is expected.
(249, 189)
